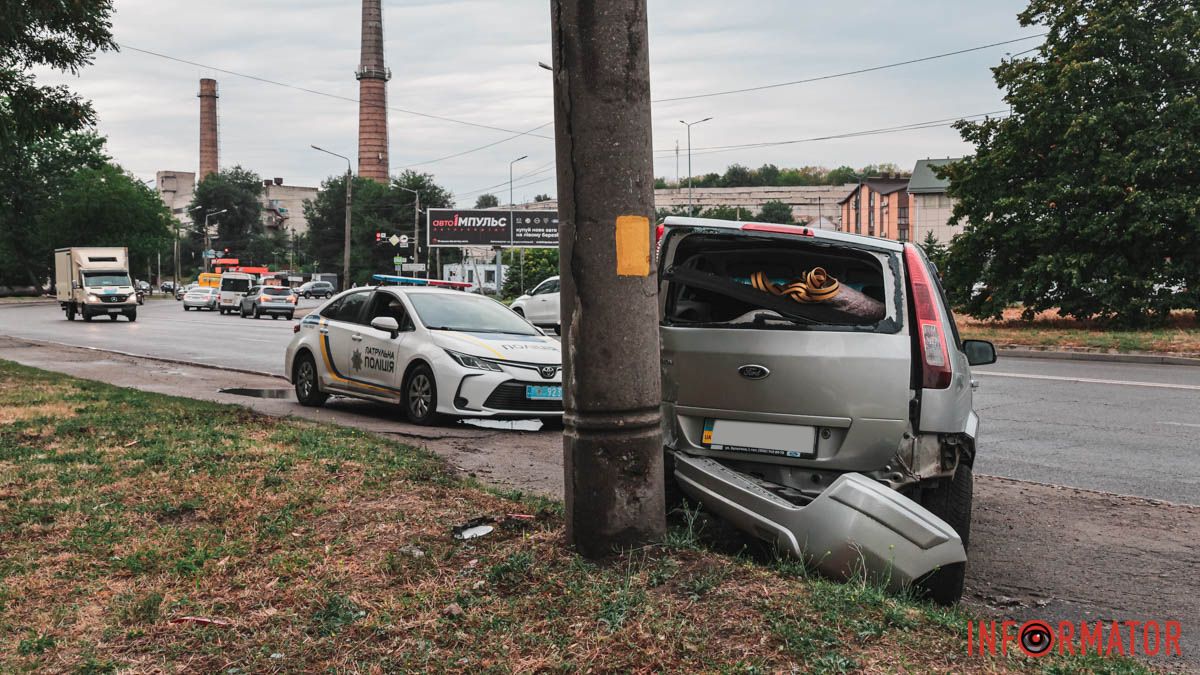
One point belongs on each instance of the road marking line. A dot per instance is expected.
(1182, 424)
(1090, 380)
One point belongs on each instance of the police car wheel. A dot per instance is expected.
(308, 389)
(420, 397)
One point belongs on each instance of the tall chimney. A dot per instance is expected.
(208, 127)
(372, 96)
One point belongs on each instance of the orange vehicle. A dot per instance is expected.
(209, 280)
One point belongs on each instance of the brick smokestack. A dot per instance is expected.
(208, 127)
(372, 96)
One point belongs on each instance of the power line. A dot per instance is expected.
(326, 94)
(482, 147)
(532, 172)
(849, 72)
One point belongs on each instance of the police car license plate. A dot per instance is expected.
(535, 393)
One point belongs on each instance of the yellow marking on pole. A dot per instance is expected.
(633, 246)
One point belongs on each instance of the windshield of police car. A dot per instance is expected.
(467, 313)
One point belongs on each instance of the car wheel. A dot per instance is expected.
(70, 312)
(420, 397)
(87, 317)
(242, 311)
(307, 384)
(274, 316)
(328, 296)
(307, 295)
(951, 501)
(257, 313)
(132, 315)
(290, 316)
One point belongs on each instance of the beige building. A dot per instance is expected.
(175, 189)
(931, 208)
(283, 205)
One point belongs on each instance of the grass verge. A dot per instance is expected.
(141, 532)
(1179, 337)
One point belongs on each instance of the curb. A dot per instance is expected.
(159, 359)
(1072, 355)
(1149, 501)
(29, 303)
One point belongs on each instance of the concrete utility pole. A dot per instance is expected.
(612, 445)
(689, 126)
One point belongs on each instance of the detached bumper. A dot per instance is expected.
(855, 525)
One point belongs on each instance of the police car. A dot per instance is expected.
(437, 353)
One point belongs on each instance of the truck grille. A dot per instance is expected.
(113, 298)
(511, 396)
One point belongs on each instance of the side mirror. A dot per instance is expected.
(386, 323)
(979, 352)
(75, 285)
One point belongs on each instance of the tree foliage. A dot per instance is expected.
(936, 252)
(105, 206)
(487, 201)
(235, 191)
(534, 267)
(1086, 199)
(769, 175)
(376, 208)
(775, 212)
(40, 147)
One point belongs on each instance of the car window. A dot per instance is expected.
(550, 286)
(348, 308)
(235, 285)
(276, 290)
(387, 304)
(469, 313)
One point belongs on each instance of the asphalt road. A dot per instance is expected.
(1123, 428)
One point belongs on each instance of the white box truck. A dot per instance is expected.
(94, 282)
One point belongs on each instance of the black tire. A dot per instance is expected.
(132, 315)
(951, 501)
(306, 381)
(86, 316)
(328, 295)
(307, 295)
(552, 424)
(71, 312)
(242, 311)
(257, 313)
(420, 397)
(290, 316)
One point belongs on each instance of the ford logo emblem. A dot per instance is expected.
(753, 372)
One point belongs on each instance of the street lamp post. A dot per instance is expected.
(207, 246)
(512, 227)
(416, 224)
(689, 126)
(349, 184)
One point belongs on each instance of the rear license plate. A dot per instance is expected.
(534, 393)
(781, 440)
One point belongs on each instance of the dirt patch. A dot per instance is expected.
(1180, 336)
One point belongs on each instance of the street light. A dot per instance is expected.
(416, 220)
(349, 183)
(512, 228)
(689, 126)
(207, 242)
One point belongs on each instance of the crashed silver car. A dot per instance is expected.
(817, 395)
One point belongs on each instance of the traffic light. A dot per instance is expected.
(379, 237)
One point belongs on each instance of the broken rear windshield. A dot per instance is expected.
(737, 281)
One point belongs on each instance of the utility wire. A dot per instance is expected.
(846, 73)
(326, 94)
(482, 147)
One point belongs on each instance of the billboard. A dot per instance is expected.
(479, 227)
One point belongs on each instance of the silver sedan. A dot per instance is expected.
(201, 297)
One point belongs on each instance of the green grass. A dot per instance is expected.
(328, 549)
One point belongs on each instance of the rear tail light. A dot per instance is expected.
(935, 358)
(264, 298)
(658, 232)
(292, 299)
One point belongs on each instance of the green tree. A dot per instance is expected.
(235, 191)
(1085, 198)
(38, 146)
(737, 175)
(841, 176)
(539, 264)
(541, 198)
(775, 212)
(376, 208)
(487, 201)
(935, 251)
(105, 206)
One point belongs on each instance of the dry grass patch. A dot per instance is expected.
(205, 538)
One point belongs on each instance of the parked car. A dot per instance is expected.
(182, 290)
(274, 301)
(437, 353)
(315, 289)
(817, 394)
(540, 306)
(202, 297)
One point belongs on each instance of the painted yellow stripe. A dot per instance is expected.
(481, 343)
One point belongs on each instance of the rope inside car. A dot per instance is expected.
(817, 286)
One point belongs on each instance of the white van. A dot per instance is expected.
(234, 286)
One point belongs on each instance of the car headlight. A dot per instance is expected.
(467, 361)
(93, 298)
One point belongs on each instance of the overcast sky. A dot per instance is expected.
(476, 60)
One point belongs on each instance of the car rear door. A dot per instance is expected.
(829, 396)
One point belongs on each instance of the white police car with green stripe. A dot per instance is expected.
(438, 353)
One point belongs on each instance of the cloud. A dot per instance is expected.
(477, 60)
